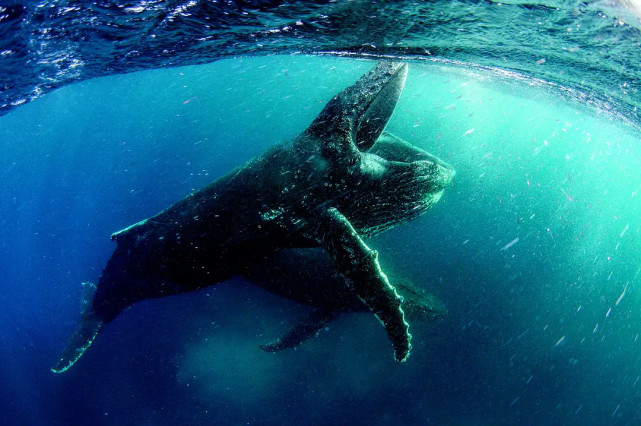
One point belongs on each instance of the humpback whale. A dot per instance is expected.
(323, 188)
(307, 276)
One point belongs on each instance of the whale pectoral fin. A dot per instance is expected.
(359, 264)
(306, 328)
(84, 335)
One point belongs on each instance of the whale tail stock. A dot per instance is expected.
(84, 335)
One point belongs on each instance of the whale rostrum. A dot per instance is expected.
(340, 181)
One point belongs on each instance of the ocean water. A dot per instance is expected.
(534, 249)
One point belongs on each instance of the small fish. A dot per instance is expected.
(510, 244)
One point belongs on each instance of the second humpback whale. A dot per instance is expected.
(307, 276)
(323, 188)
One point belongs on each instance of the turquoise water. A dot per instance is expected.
(534, 250)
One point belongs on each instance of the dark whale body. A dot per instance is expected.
(321, 189)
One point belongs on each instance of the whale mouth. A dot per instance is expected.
(394, 149)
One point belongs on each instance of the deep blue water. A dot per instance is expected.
(541, 330)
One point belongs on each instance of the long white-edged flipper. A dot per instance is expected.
(84, 335)
(358, 263)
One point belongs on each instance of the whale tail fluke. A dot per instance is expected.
(84, 335)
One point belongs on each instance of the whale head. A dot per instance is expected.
(373, 178)
(397, 182)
